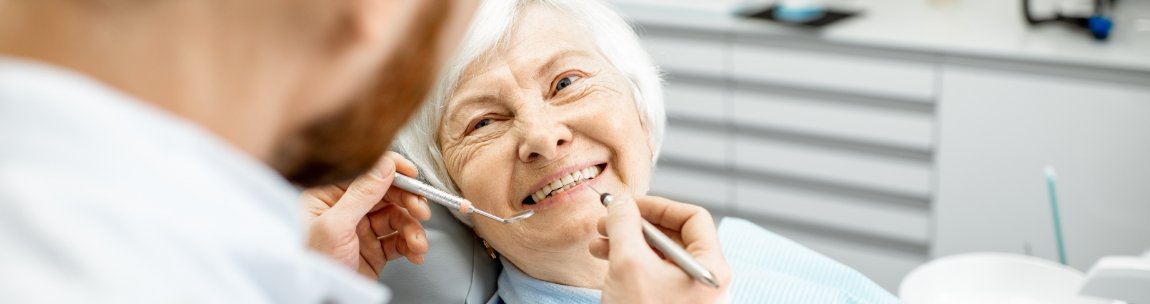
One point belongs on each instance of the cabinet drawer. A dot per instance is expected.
(693, 187)
(694, 101)
(696, 145)
(882, 219)
(874, 76)
(835, 119)
(682, 54)
(840, 167)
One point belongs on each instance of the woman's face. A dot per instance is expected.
(534, 124)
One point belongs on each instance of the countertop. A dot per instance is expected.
(990, 29)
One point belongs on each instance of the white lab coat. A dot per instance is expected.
(104, 199)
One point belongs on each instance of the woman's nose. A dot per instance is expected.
(544, 141)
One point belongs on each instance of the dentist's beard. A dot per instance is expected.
(344, 145)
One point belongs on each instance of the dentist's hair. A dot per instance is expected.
(490, 26)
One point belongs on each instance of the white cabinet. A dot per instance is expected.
(884, 152)
(839, 212)
(708, 189)
(828, 148)
(834, 166)
(698, 145)
(830, 117)
(908, 77)
(695, 54)
(695, 101)
(999, 128)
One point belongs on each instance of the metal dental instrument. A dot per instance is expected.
(450, 201)
(670, 249)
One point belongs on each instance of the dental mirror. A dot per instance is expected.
(521, 215)
(451, 201)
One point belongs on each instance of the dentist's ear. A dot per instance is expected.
(374, 69)
(386, 22)
(458, 19)
(379, 25)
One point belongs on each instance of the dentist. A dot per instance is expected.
(148, 150)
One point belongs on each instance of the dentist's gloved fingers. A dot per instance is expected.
(402, 164)
(600, 247)
(363, 195)
(416, 205)
(624, 229)
(411, 242)
(693, 227)
(335, 214)
(367, 245)
(637, 275)
(690, 225)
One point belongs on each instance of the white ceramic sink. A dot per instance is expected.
(994, 278)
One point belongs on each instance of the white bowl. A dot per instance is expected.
(994, 278)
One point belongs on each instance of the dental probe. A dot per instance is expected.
(669, 248)
(451, 201)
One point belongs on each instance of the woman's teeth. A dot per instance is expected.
(567, 182)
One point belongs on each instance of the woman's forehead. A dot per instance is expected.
(538, 45)
(538, 35)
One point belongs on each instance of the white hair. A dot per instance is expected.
(490, 26)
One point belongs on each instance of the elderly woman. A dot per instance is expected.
(548, 102)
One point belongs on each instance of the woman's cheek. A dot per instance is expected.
(470, 184)
(451, 160)
(457, 158)
(635, 157)
(482, 171)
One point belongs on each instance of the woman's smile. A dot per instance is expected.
(562, 186)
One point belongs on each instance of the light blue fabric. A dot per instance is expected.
(766, 268)
(517, 287)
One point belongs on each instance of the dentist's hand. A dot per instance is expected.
(637, 273)
(346, 220)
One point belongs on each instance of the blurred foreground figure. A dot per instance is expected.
(148, 147)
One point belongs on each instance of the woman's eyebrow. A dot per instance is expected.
(466, 104)
(554, 59)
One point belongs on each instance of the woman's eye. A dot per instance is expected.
(564, 82)
(481, 123)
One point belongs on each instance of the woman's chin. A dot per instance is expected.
(565, 225)
(576, 212)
